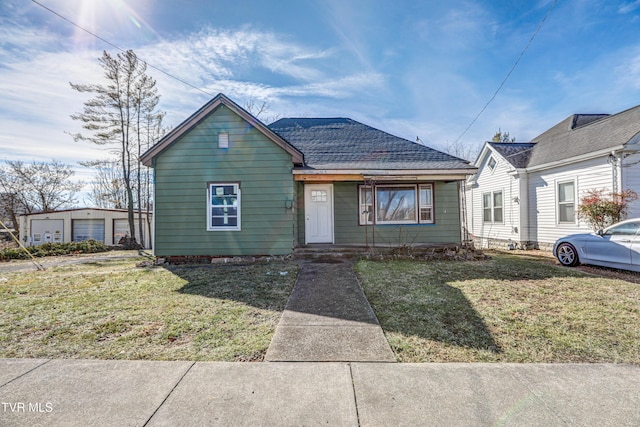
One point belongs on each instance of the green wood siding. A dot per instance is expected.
(347, 231)
(263, 170)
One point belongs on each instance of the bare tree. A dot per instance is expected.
(36, 187)
(467, 152)
(107, 186)
(116, 114)
(260, 110)
(502, 137)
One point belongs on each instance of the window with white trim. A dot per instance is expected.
(486, 207)
(426, 203)
(366, 205)
(396, 204)
(497, 206)
(223, 205)
(566, 202)
(492, 207)
(492, 163)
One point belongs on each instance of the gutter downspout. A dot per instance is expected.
(523, 192)
(615, 175)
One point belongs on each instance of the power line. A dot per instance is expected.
(510, 71)
(120, 49)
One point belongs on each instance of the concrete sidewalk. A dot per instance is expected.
(328, 318)
(138, 393)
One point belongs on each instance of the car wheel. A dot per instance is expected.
(567, 255)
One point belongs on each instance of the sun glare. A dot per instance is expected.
(112, 19)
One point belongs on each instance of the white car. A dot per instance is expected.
(617, 246)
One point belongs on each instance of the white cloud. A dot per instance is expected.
(628, 72)
(629, 7)
(213, 54)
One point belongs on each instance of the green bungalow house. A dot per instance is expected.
(228, 185)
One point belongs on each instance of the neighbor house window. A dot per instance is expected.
(566, 202)
(396, 204)
(492, 163)
(486, 207)
(497, 206)
(492, 207)
(223, 206)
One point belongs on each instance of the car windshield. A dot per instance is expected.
(628, 228)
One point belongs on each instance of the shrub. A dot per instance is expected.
(53, 249)
(601, 209)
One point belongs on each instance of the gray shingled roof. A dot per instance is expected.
(342, 143)
(516, 153)
(576, 136)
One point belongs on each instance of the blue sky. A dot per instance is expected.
(412, 68)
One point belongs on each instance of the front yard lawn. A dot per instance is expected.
(507, 309)
(114, 310)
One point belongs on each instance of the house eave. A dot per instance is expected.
(581, 158)
(381, 175)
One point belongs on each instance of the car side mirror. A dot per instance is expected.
(600, 232)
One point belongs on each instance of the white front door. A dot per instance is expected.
(318, 207)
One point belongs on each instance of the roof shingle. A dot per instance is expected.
(343, 143)
(516, 153)
(583, 134)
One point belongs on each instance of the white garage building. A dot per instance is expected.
(75, 225)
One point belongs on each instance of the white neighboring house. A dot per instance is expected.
(74, 225)
(526, 194)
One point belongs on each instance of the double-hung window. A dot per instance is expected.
(566, 202)
(396, 204)
(492, 207)
(497, 206)
(426, 203)
(223, 203)
(486, 207)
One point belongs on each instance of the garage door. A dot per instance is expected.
(46, 231)
(120, 229)
(85, 229)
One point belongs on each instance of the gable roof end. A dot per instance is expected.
(220, 99)
(516, 153)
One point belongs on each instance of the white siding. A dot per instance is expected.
(543, 223)
(630, 177)
(490, 181)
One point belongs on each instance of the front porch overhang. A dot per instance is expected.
(334, 175)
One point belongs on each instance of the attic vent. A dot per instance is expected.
(223, 140)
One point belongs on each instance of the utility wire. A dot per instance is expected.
(510, 71)
(121, 49)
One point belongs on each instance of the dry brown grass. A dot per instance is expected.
(512, 308)
(112, 309)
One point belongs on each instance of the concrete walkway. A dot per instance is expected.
(148, 393)
(328, 318)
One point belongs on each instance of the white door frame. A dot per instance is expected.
(309, 225)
